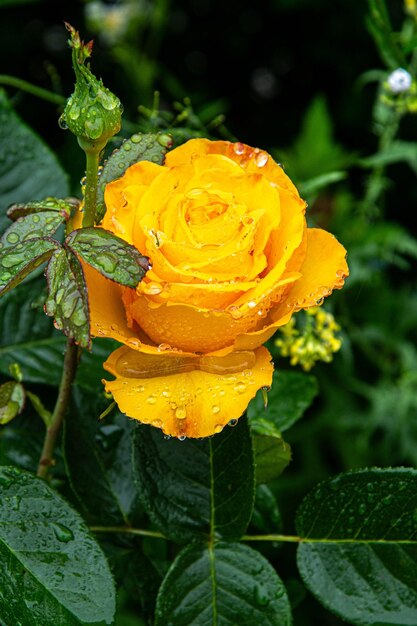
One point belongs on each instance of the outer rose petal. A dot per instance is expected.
(192, 404)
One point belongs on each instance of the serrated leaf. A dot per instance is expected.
(271, 453)
(358, 554)
(140, 147)
(224, 583)
(290, 396)
(113, 257)
(17, 262)
(12, 400)
(67, 299)
(193, 489)
(51, 570)
(31, 226)
(99, 467)
(62, 206)
(28, 168)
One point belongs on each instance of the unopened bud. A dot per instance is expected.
(93, 113)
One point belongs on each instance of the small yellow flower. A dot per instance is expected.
(317, 341)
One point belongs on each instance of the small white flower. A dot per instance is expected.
(399, 80)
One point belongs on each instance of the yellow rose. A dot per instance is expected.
(232, 260)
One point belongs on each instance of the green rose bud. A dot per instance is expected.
(93, 113)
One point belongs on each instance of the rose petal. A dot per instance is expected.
(192, 404)
(324, 268)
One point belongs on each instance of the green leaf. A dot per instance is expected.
(17, 262)
(271, 453)
(28, 168)
(12, 400)
(266, 517)
(51, 570)
(62, 207)
(397, 152)
(99, 467)
(140, 147)
(313, 185)
(358, 554)
(193, 489)
(224, 583)
(108, 254)
(290, 396)
(27, 336)
(67, 299)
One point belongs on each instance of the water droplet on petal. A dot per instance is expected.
(239, 148)
(232, 423)
(215, 408)
(261, 159)
(180, 413)
(151, 400)
(218, 428)
(240, 388)
(182, 438)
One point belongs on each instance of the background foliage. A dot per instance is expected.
(303, 80)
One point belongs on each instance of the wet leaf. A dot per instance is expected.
(290, 396)
(140, 147)
(359, 550)
(67, 299)
(61, 206)
(108, 254)
(12, 400)
(51, 569)
(18, 261)
(271, 453)
(28, 168)
(222, 583)
(99, 467)
(193, 489)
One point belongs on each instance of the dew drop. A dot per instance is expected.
(136, 138)
(232, 423)
(240, 388)
(182, 438)
(239, 148)
(12, 237)
(215, 409)
(218, 428)
(62, 533)
(62, 123)
(261, 159)
(157, 423)
(180, 413)
(140, 388)
(151, 400)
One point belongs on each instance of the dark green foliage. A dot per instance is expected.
(28, 169)
(224, 583)
(193, 489)
(51, 569)
(359, 554)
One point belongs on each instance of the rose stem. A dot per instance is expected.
(92, 153)
(64, 393)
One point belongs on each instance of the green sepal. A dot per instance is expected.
(67, 298)
(140, 147)
(113, 257)
(18, 261)
(12, 401)
(271, 453)
(57, 205)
